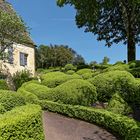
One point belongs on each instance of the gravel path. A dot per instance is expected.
(58, 127)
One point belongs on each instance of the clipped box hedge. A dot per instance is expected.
(126, 127)
(83, 71)
(111, 82)
(76, 92)
(22, 123)
(54, 79)
(40, 91)
(10, 99)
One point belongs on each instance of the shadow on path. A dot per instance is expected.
(58, 127)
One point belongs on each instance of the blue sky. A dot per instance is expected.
(53, 25)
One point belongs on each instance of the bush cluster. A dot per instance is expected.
(21, 77)
(38, 90)
(128, 128)
(111, 82)
(54, 79)
(10, 100)
(75, 91)
(22, 123)
(69, 67)
(118, 105)
(83, 71)
(3, 85)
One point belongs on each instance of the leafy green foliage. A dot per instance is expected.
(111, 82)
(128, 128)
(111, 20)
(22, 123)
(21, 77)
(39, 90)
(83, 71)
(12, 29)
(118, 105)
(54, 79)
(57, 56)
(69, 67)
(28, 96)
(2, 109)
(87, 75)
(121, 67)
(70, 72)
(3, 85)
(75, 91)
(10, 99)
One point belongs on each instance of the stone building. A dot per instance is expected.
(22, 56)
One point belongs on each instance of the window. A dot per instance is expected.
(10, 55)
(23, 59)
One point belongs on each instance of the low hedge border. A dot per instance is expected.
(126, 127)
(22, 123)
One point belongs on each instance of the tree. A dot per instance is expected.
(111, 20)
(105, 60)
(12, 30)
(78, 60)
(56, 55)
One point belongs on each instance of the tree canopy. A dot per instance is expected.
(56, 55)
(12, 30)
(111, 20)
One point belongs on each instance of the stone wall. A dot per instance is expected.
(12, 68)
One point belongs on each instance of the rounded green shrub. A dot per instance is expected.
(39, 90)
(83, 71)
(118, 105)
(86, 76)
(22, 123)
(69, 67)
(3, 85)
(28, 96)
(70, 72)
(54, 79)
(111, 82)
(10, 99)
(121, 67)
(75, 91)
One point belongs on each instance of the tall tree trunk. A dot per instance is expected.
(131, 49)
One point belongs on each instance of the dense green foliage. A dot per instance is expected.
(22, 123)
(54, 79)
(113, 81)
(28, 96)
(128, 128)
(9, 99)
(56, 55)
(75, 91)
(121, 67)
(21, 77)
(12, 29)
(118, 105)
(70, 72)
(83, 71)
(39, 90)
(69, 67)
(112, 21)
(3, 85)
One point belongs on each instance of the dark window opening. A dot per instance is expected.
(23, 59)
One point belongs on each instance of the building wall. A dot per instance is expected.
(12, 68)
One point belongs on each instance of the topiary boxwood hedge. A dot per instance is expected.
(76, 91)
(126, 127)
(10, 99)
(111, 82)
(54, 79)
(40, 91)
(83, 71)
(22, 123)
